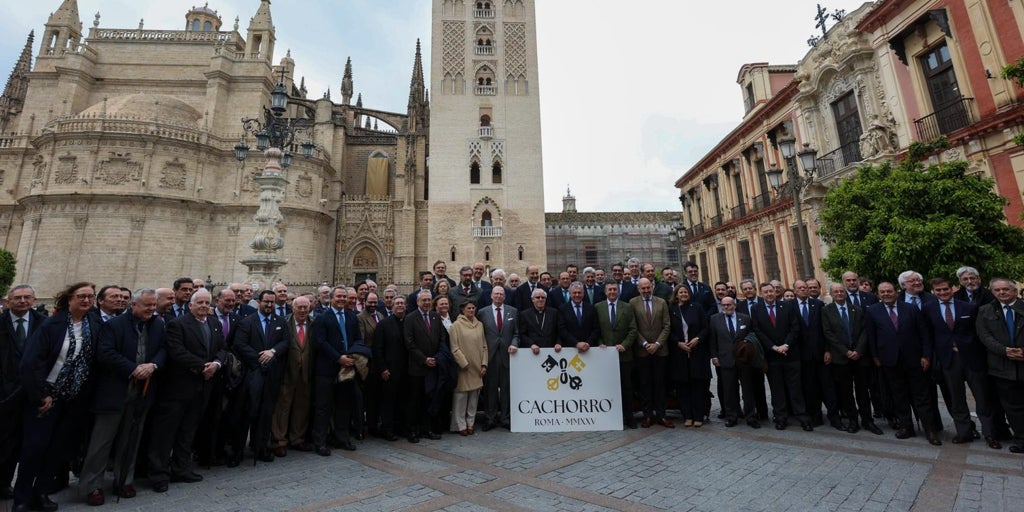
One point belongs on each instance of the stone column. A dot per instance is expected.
(265, 264)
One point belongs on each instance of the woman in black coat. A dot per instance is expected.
(56, 372)
(690, 358)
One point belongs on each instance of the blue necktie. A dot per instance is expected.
(266, 328)
(579, 315)
(1010, 325)
(803, 312)
(344, 335)
(846, 324)
(612, 314)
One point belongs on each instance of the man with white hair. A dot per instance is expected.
(971, 289)
(912, 285)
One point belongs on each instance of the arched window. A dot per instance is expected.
(521, 251)
(487, 253)
(486, 220)
(496, 173)
(479, 5)
(195, 25)
(485, 120)
(453, 253)
(474, 173)
(207, 26)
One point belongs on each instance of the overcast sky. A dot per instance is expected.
(632, 93)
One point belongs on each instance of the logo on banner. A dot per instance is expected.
(575, 382)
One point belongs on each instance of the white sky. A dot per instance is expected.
(632, 93)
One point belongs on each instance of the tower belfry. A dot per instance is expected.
(486, 180)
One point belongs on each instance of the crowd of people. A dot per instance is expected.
(160, 381)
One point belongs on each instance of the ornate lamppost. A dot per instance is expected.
(796, 184)
(275, 136)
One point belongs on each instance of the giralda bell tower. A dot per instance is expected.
(486, 182)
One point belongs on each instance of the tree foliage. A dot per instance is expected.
(896, 217)
(7, 270)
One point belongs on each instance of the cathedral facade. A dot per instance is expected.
(116, 156)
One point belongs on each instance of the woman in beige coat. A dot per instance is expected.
(469, 347)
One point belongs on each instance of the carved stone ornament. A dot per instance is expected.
(67, 171)
(304, 186)
(173, 176)
(118, 170)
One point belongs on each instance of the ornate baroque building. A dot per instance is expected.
(886, 75)
(117, 163)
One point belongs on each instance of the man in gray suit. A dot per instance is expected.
(501, 332)
(1000, 328)
(724, 331)
(618, 331)
(846, 343)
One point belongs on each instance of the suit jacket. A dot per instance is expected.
(522, 300)
(42, 349)
(389, 352)
(655, 330)
(622, 333)
(368, 323)
(459, 296)
(298, 363)
(979, 298)
(329, 341)
(812, 345)
(244, 310)
(695, 364)
(834, 335)
(10, 355)
(422, 342)
(250, 340)
(538, 328)
(963, 336)
(499, 341)
(704, 296)
(721, 342)
(287, 310)
(924, 297)
(991, 326)
(558, 296)
(597, 291)
(410, 301)
(746, 306)
(572, 331)
(663, 290)
(233, 319)
(786, 330)
(116, 354)
(484, 299)
(187, 354)
(627, 290)
(892, 346)
(863, 299)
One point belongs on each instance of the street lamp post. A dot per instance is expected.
(796, 185)
(275, 136)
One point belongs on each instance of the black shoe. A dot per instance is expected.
(414, 439)
(854, 427)
(630, 424)
(347, 446)
(836, 424)
(160, 486)
(807, 427)
(870, 426)
(233, 462)
(993, 443)
(389, 436)
(489, 426)
(754, 424)
(323, 451)
(44, 503)
(721, 415)
(188, 478)
(730, 423)
(20, 507)
(432, 436)
(1017, 448)
(780, 425)
(265, 456)
(360, 436)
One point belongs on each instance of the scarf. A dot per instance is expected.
(75, 372)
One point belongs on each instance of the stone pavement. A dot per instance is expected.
(711, 468)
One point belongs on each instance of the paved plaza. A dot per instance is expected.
(708, 469)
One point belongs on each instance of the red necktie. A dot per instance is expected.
(302, 335)
(949, 315)
(892, 316)
(647, 304)
(771, 313)
(426, 320)
(499, 318)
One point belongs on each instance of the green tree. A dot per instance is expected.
(896, 217)
(7, 270)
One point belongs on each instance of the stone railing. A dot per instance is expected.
(487, 232)
(122, 124)
(113, 34)
(486, 90)
(484, 50)
(483, 13)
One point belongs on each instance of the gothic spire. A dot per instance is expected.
(346, 83)
(13, 96)
(416, 84)
(66, 14)
(359, 101)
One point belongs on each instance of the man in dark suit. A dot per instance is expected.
(466, 291)
(816, 379)
(501, 330)
(335, 336)
(971, 289)
(425, 336)
(661, 289)
(242, 307)
(1000, 326)
(213, 432)
(777, 324)
(618, 331)
(960, 359)
(651, 350)
(129, 352)
(700, 293)
(183, 289)
(195, 350)
(538, 325)
(390, 359)
(523, 299)
(281, 306)
(16, 325)
(369, 389)
(627, 288)
(261, 344)
(559, 295)
(902, 348)
(725, 330)
(292, 413)
(846, 354)
(484, 299)
(912, 285)
(857, 297)
(577, 321)
(593, 291)
(745, 305)
(426, 284)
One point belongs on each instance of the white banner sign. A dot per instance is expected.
(565, 391)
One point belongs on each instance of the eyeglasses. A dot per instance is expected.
(85, 296)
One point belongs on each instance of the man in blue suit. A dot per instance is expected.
(577, 321)
(902, 348)
(960, 358)
(336, 336)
